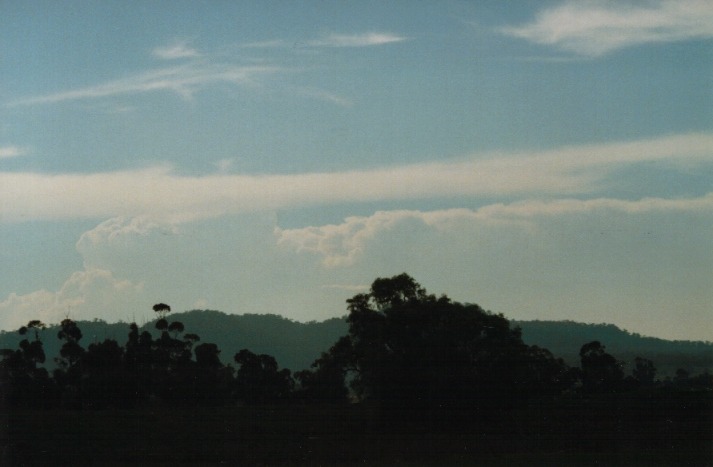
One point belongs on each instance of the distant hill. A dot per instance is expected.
(565, 338)
(296, 345)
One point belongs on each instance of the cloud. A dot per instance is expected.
(178, 50)
(628, 262)
(199, 73)
(183, 80)
(632, 263)
(595, 28)
(161, 194)
(368, 39)
(82, 296)
(269, 44)
(324, 96)
(356, 40)
(224, 165)
(341, 245)
(117, 228)
(7, 152)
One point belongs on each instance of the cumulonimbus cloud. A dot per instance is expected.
(596, 28)
(160, 193)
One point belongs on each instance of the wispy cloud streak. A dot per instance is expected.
(356, 40)
(595, 28)
(159, 192)
(184, 80)
(368, 39)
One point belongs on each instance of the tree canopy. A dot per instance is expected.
(406, 346)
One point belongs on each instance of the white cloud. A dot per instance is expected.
(161, 194)
(343, 244)
(594, 28)
(7, 152)
(633, 263)
(84, 295)
(114, 229)
(178, 50)
(183, 80)
(628, 262)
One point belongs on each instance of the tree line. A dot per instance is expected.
(404, 348)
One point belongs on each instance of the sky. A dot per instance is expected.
(544, 159)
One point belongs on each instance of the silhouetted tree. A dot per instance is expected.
(161, 324)
(106, 382)
(24, 382)
(259, 380)
(644, 372)
(68, 375)
(138, 361)
(408, 347)
(212, 378)
(540, 373)
(601, 372)
(162, 309)
(682, 377)
(326, 381)
(176, 328)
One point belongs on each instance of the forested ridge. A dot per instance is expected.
(404, 364)
(296, 344)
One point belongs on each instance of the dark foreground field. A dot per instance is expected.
(656, 428)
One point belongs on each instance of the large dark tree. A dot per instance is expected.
(408, 347)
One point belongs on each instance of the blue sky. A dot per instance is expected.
(546, 160)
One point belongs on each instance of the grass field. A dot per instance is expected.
(652, 429)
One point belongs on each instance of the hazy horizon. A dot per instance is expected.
(545, 160)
